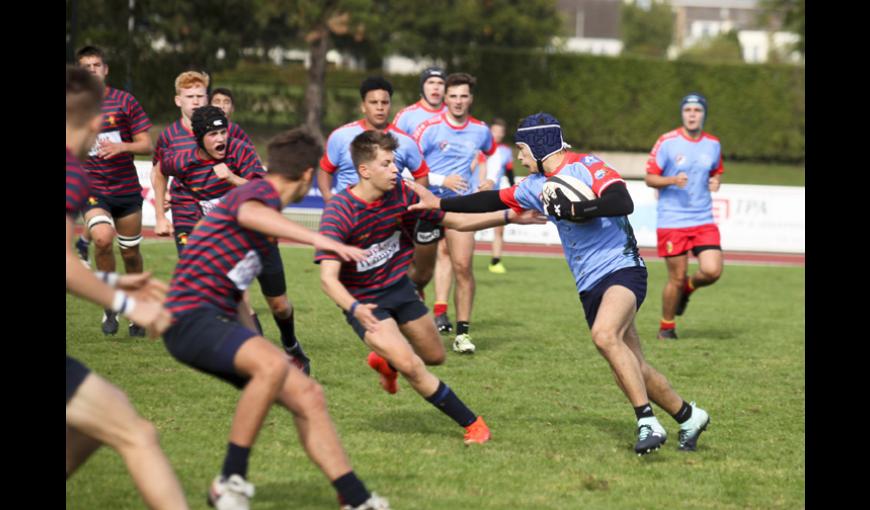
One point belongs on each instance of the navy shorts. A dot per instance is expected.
(427, 232)
(118, 206)
(632, 278)
(271, 278)
(75, 375)
(399, 302)
(207, 339)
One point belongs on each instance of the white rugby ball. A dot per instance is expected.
(573, 188)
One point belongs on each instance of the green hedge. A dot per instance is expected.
(604, 103)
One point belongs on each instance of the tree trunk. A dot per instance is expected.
(315, 88)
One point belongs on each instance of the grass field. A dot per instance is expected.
(562, 431)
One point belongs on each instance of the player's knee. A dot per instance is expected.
(677, 279)
(438, 357)
(312, 396)
(144, 433)
(711, 274)
(103, 239)
(272, 369)
(280, 306)
(462, 270)
(604, 339)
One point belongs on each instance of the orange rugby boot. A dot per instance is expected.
(388, 375)
(477, 432)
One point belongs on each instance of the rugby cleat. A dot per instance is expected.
(136, 330)
(233, 493)
(82, 251)
(462, 344)
(682, 303)
(691, 429)
(298, 358)
(650, 436)
(477, 432)
(497, 268)
(375, 502)
(388, 376)
(110, 322)
(667, 334)
(443, 324)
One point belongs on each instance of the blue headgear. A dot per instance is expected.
(695, 98)
(542, 134)
(429, 72)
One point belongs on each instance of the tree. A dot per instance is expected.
(722, 49)
(790, 13)
(647, 31)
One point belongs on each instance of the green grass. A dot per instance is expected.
(562, 431)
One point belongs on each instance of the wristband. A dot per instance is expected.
(110, 279)
(506, 219)
(122, 303)
(353, 308)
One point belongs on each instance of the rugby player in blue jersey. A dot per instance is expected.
(375, 294)
(602, 254)
(685, 166)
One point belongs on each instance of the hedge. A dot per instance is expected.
(603, 103)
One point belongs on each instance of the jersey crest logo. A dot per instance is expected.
(442, 146)
(680, 159)
(669, 247)
(111, 120)
(92, 201)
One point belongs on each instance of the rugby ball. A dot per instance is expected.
(573, 188)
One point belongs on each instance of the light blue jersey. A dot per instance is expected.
(596, 247)
(451, 150)
(337, 162)
(700, 159)
(413, 115)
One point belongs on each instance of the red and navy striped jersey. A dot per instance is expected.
(176, 137)
(122, 118)
(384, 227)
(221, 258)
(77, 189)
(197, 175)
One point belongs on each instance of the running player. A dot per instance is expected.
(602, 254)
(208, 172)
(114, 208)
(375, 294)
(685, 166)
(450, 143)
(497, 167)
(97, 412)
(224, 253)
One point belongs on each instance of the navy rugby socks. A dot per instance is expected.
(449, 404)
(684, 413)
(236, 461)
(643, 411)
(351, 490)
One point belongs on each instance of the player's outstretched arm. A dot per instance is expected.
(472, 222)
(255, 215)
(332, 287)
(614, 201)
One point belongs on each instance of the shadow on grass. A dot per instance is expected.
(406, 422)
(289, 495)
(730, 333)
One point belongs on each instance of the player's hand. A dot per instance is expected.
(681, 180)
(152, 316)
(162, 226)
(713, 183)
(107, 149)
(560, 207)
(345, 252)
(143, 286)
(427, 199)
(528, 217)
(455, 183)
(486, 185)
(167, 200)
(222, 171)
(363, 313)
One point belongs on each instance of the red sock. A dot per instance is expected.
(667, 324)
(688, 288)
(440, 308)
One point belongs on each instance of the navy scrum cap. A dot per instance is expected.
(206, 119)
(429, 72)
(694, 99)
(542, 134)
